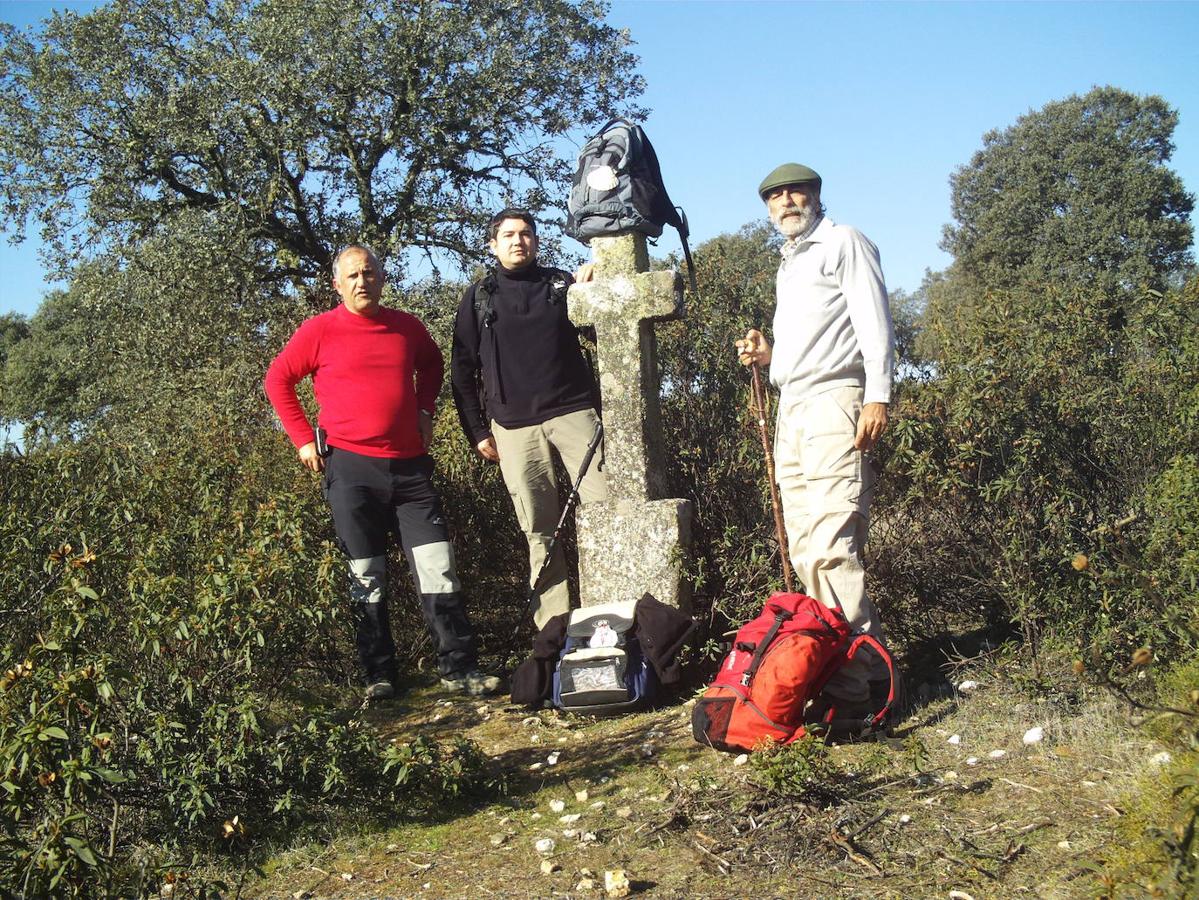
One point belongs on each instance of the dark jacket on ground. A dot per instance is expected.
(528, 354)
(661, 630)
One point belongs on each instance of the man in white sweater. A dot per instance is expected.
(832, 362)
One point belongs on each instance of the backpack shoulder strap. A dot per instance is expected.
(484, 305)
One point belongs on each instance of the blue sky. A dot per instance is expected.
(883, 99)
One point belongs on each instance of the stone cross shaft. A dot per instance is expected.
(637, 541)
(622, 303)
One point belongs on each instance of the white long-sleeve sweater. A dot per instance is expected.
(832, 324)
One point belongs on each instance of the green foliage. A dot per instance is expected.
(711, 436)
(164, 611)
(1042, 432)
(300, 126)
(1076, 192)
(802, 769)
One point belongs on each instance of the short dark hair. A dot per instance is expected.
(511, 212)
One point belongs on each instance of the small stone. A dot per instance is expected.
(535, 816)
(950, 775)
(582, 796)
(570, 833)
(1063, 845)
(741, 760)
(552, 759)
(346, 876)
(616, 883)
(497, 839)
(967, 686)
(904, 819)
(1160, 759)
(598, 804)
(959, 895)
(972, 760)
(588, 837)
(570, 818)
(295, 895)
(624, 812)
(549, 867)
(557, 805)
(1033, 736)
(545, 846)
(585, 884)
(954, 739)
(536, 767)
(997, 754)
(482, 710)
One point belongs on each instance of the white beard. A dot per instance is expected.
(793, 221)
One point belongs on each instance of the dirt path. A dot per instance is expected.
(918, 815)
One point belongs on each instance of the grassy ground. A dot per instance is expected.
(937, 808)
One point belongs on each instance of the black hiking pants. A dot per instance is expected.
(370, 497)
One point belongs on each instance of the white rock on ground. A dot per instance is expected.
(997, 754)
(557, 805)
(954, 739)
(616, 883)
(967, 686)
(1034, 735)
(545, 846)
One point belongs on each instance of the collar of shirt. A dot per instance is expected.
(812, 235)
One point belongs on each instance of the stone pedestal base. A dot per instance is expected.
(627, 549)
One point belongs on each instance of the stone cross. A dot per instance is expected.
(636, 541)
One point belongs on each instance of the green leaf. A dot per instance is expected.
(52, 732)
(82, 849)
(84, 591)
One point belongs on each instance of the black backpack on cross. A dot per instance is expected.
(618, 188)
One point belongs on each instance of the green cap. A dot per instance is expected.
(787, 173)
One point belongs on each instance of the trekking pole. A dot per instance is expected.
(572, 501)
(759, 403)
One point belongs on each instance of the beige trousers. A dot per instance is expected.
(826, 485)
(527, 464)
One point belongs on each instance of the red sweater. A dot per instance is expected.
(371, 375)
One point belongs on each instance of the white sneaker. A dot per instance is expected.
(474, 682)
(380, 690)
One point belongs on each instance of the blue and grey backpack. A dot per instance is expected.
(601, 669)
(618, 187)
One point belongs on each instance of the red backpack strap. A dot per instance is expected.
(874, 643)
(781, 615)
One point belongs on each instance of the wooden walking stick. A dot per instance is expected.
(759, 403)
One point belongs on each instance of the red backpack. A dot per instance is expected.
(780, 660)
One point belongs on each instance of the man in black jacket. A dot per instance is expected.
(537, 400)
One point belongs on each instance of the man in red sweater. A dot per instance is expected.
(376, 373)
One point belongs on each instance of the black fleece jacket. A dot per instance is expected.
(528, 355)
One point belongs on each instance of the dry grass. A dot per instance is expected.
(908, 817)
